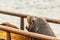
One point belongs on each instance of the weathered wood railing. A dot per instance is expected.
(22, 16)
(29, 34)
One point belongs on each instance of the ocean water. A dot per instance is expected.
(40, 8)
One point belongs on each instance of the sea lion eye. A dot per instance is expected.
(32, 20)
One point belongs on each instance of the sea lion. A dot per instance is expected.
(39, 25)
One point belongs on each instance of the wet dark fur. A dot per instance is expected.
(39, 25)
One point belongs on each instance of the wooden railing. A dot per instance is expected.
(17, 15)
(21, 32)
(24, 16)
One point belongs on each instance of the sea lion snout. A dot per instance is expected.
(27, 26)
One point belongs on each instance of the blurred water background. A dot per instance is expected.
(43, 8)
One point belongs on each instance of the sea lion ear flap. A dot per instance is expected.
(29, 19)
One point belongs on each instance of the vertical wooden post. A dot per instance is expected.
(8, 36)
(22, 23)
